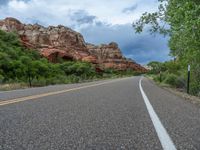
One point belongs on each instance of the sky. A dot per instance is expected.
(99, 22)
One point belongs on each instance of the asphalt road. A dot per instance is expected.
(110, 114)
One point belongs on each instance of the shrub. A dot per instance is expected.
(175, 81)
(156, 78)
(195, 88)
(40, 82)
(171, 79)
(180, 82)
(1, 78)
(160, 77)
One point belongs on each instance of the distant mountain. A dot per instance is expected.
(63, 42)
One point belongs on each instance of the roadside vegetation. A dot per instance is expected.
(180, 21)
(21, 67)
(173, 74)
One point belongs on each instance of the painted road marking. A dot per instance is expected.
(17, 100)
(163, 136)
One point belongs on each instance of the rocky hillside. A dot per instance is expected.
(62, 42)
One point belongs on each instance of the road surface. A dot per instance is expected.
(120, 114)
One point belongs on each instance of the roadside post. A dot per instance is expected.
(188, 80)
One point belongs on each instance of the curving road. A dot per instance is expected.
(119, 114)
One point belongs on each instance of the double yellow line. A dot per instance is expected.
(17, 100)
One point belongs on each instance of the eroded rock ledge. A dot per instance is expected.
(53, 42)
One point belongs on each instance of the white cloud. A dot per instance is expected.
(58, 11)
(17, 5)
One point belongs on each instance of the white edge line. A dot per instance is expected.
(163, 136)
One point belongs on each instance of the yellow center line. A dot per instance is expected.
(17, 100)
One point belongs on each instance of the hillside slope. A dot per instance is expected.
(62, 42)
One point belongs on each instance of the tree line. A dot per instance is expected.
(180, 20)
(18, 64)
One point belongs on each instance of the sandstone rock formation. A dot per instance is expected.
(110, 56)
(54, 42)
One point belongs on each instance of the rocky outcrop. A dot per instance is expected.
(105, 51)
(62, 42)
(51, 42)
(110, 56)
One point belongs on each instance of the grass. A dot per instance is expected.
(181, 92)
(14, 86)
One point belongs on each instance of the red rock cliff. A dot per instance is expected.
(110, 56)
(53, 42)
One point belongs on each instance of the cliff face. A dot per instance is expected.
(53, 42)
(110, 56)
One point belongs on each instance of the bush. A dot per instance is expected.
(1, 78)
(74, 79)
(195, 89)
(160, 77)
(156, 78)
(175, 81)
(171, 79)
(180, 82)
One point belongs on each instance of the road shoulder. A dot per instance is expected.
(193, 99)
(180, 117)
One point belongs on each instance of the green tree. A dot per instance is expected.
(157, 67)
(180, 20)
(28, 69)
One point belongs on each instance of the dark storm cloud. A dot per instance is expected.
(130, 9)
(82, 17)
(140, 47)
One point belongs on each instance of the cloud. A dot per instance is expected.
(82, 17)
(58, 11)
(99, 21)
(140, 47)
(18, 5)
(3, 2)
(130, 9)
